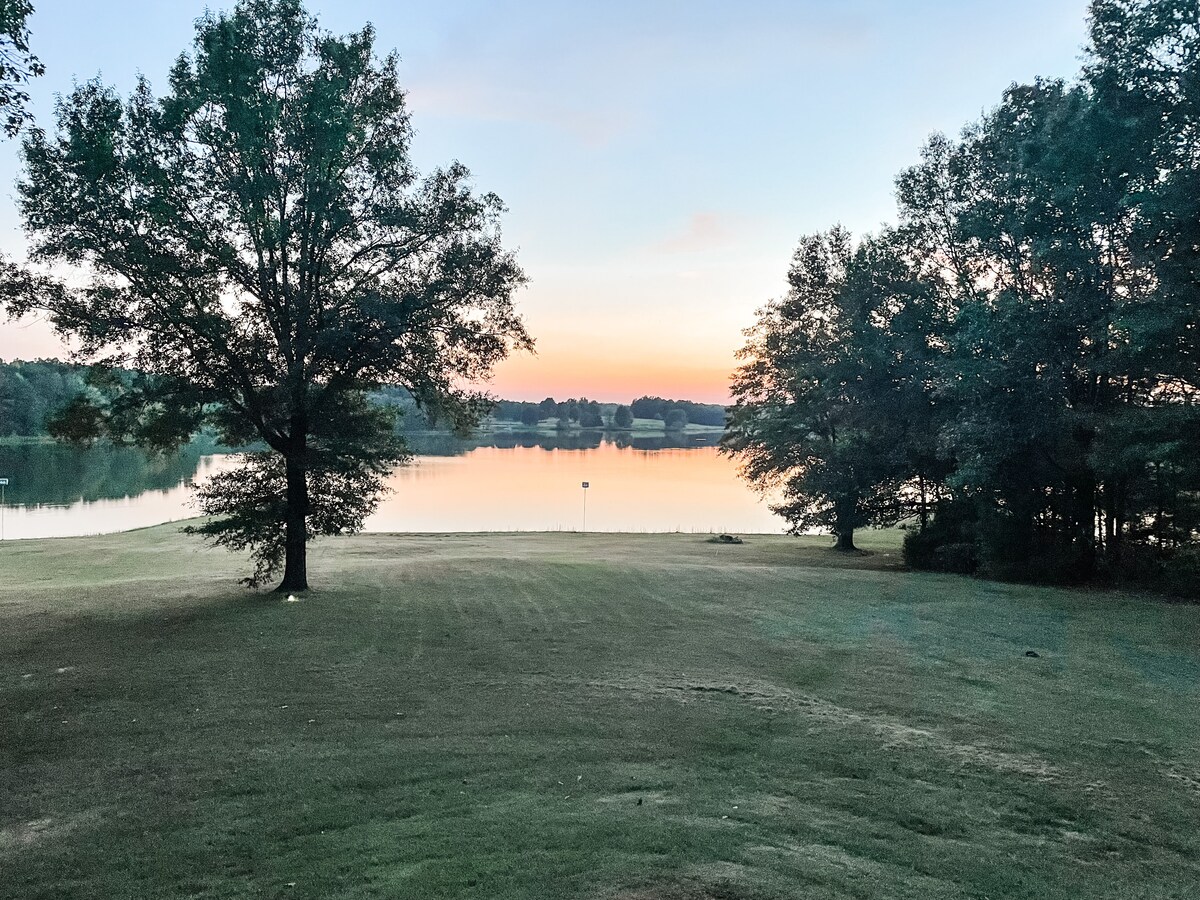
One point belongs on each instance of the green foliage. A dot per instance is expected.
(1069, 381)
(32, 392)
(832, 404)
(675, 419)
(257, 245)
(349, 454)
(590, 415)
(17, 63)
(623, 417)
(1022, 351)
(697, 413)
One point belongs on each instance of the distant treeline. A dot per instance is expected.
(697, 413)
(585, 413)
(570, 413)
(32, 391)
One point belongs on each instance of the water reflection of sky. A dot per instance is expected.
(484, 489)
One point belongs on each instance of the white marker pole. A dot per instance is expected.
(586, 485)
(3, 485)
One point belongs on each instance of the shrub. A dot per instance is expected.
(937, 550)
(961, 557)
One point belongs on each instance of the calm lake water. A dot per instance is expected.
(507, 483)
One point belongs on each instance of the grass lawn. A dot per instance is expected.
(592, 716)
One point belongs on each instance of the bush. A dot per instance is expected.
(937, 550)
(1181, 574)
(919, 548)
(1175, 574)
(961, 557)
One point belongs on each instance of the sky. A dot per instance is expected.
(659, 158)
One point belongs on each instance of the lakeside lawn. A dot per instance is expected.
(591, 716)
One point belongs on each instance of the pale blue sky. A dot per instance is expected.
(660, 159)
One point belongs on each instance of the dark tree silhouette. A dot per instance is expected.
(829, 394)
(1017, 366)
(257, 245)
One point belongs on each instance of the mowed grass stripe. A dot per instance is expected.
(480, 715)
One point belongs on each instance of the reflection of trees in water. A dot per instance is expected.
(58, 475)
(440, 444)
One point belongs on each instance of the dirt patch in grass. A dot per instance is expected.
(687, 891)
(772, 698)
(639, 798)
(25, 835)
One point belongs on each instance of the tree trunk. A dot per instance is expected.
(295, 567)
(844, 515)
(924, 505)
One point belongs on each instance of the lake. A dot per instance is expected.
(499, 483)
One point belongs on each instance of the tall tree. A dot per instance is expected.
(1061, 232)
(826, 397)
(259, 247)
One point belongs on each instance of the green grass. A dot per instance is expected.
(591, 716)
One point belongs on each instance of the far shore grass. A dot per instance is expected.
(586, 716)
(639, 428)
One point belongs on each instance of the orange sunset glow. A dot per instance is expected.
(614, 375)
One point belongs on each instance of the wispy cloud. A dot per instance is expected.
(599, 73)
(481, 101)
(704, 231)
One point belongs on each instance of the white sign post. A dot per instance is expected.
(586, 485)
(3, 485)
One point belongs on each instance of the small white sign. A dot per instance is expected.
(3, 481)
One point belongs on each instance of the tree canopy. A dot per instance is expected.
(258, 246)
(831, 399)
(1021, 353)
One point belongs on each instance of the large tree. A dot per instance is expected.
(1061, 231)
(831, 398)
(258, 247)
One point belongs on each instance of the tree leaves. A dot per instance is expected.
(258, 245)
